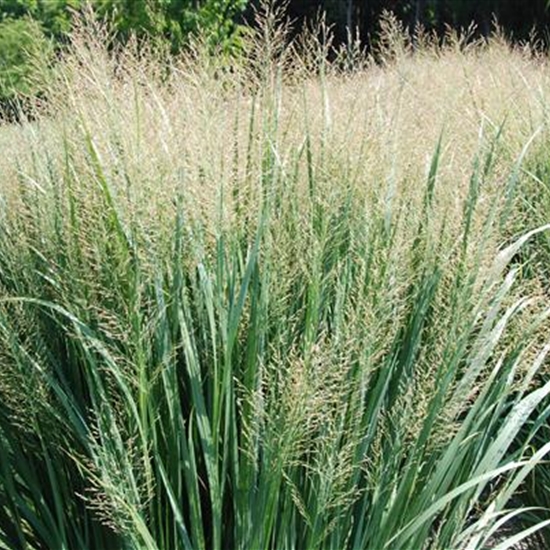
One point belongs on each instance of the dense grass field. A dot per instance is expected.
(279, 303)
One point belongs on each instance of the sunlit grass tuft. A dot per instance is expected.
(276, 304)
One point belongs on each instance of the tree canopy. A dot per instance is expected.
(517, 17)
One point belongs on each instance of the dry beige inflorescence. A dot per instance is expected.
(203, 131)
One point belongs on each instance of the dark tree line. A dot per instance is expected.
(518, 18)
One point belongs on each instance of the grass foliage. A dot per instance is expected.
(284, 303)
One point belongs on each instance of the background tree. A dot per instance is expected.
(517, 17)
(23, 48)
(29, 27)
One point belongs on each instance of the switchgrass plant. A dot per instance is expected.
(273, 304)
(532, 203)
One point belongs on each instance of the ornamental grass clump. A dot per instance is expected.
(284, 303)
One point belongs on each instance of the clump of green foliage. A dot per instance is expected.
(24, 52)
(30, 32)
(176, 20)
